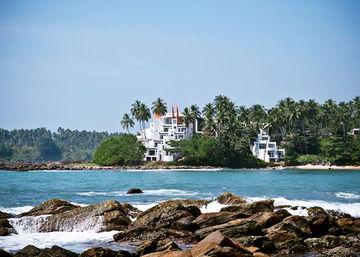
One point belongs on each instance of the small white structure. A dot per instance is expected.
(161, 131)
(266, 150)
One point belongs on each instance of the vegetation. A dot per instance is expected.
(38, 145)
(125, 149)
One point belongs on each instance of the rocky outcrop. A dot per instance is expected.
(52, 206)
(230, 199)
(154, 245)
(106, 216)
(134, 191)
(5, 227)
(101, 252)
(251, 208)
(55, 251)
(4, 253)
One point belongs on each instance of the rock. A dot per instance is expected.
(319, 221)
(327, 241)
(262, 242)
(4, 253)
(217, 244)
(349, 225)
(53, 206)
(101, 252)
(233, 229)
(282, 213)
(230, 198)
(266, 219)
(338, 252)
(109, 214)
(169, 254)
(216, 218)
(154, 215)
(134, 191)
(55, 251)
(299, 222)
(251, 208)
(4, 215)
(260, 254)
(151, 246)
(316, 211)
(5, 227)
(130, 210)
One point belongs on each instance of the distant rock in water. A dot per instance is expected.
(52, 206)
(134, 191)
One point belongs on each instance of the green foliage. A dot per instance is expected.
(34, 145)
(309, 159)
(120, 150)
(342, 150)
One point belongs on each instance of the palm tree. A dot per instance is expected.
(144, 114)
(195, 113)
(187, 116)
(135, 107)
(208, 113)
(159, 107)
(127, 122)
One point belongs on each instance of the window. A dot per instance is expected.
(152, 152)
(166, 129)
(271, 154)
(271, 145)
(264, 138)
(262, 146)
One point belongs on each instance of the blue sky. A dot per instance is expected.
(81, 64)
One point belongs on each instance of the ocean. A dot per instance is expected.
(20, 191)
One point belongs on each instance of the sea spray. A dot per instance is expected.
(28, 224)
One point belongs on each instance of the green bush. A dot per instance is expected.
(309, 159)
(120, 150)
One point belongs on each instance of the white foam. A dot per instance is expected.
(213, 206)
(347, 195)
(16, 210)
(74, 241)
(350, 208)
(144, 207)
(28, 224)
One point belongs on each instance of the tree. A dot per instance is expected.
(159, 107)
(48, 150)
(135, 111)
(127, 122)
(187, 116)
(144, 114)
(125, 149)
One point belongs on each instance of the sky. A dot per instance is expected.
(81, 64)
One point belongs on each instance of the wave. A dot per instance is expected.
(153, 192)
(350, 208)
(74, 241)
(347, 195)
(213, 206)
(16, 210)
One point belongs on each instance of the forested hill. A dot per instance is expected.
(37, 145)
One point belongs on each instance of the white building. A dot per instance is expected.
(266, 150)
(161, 131)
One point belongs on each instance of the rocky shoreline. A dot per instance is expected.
(239, 229)
(28, 166)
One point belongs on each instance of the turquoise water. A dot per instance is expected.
(30, 188)
(20, 191)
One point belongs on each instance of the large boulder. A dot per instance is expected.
(52, 206)
(105, 216)
(4, 253)
(230, 198)
(130, 210)
(327, 241)
(5, 227)
(319, 221)
(232, 229)
(349, 225)
(134, 191)
(251, 208)
(215, 218)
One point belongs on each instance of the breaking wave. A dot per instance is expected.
(347, 195)
(154, 192)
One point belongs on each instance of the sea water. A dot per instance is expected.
(20, 191)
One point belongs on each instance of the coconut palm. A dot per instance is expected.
(159, 108)
(144, 114)
(127, 122)
(135, 107)
(187, 116)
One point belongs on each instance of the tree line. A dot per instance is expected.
(311, 132)
(37, 145)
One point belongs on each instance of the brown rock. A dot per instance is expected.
(349, 225)
(53, 206)
(251, 208)
(216, 218)
(4, 215)
(5, 227)
(338, 252)
(101, 252)
(151, 246)
(230, 198)
(259, 254)
(327, 241)
(110, 214)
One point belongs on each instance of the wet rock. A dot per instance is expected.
(260, 254)
(266, 219)
(5, 227)
(52, 206)
(101, 252)
(130, 210)
(251, 208)
(262, 242)
(169, 254)
(338, 252)
(319, 221)
(4, 215)
(230, 198)
(57, 251)
(151, 246)
(299, 222)
(316, 211)
(327, 241)
(109, 214)
(233, 229)
(4, 253)
(134, 191)
(282, 213)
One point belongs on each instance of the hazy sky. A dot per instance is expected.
(81, 64)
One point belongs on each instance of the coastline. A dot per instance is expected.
(24, 166)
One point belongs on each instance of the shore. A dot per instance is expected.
(27, 166)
